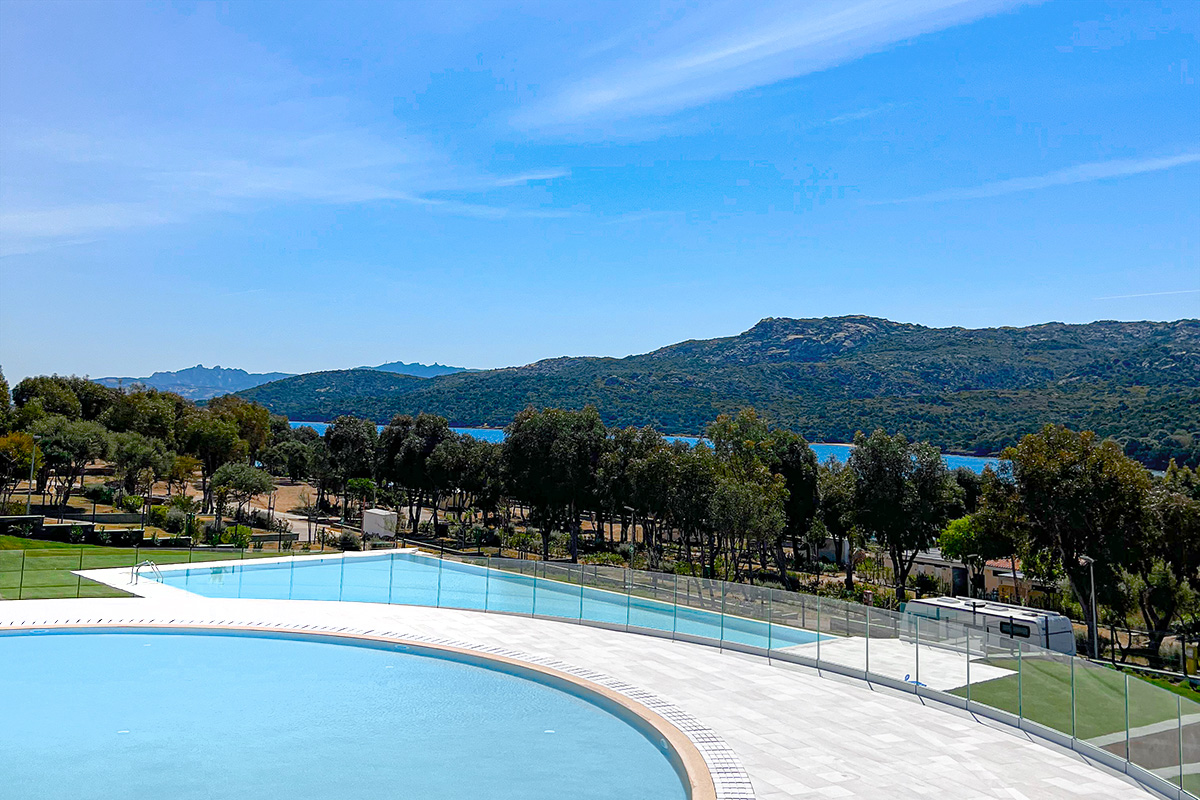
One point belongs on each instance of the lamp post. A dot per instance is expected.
(32, 462)
(1095, 632)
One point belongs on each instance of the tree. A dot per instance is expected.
(290, 457)
(17, 450)
(351, 444)
(146, 411)
(1081, 497)
(52, 392)
(182, 470)
(5, 404)
(796, 463)
(904, 496)
(969, 540)
(1165, 563)
(132, 453)
(252, 420)
(69, 446)
(835, 485)
(214, 441)
(242, 482)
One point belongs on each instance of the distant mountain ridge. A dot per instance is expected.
(418, 370)
(967, 390)
(202, 383)
(199, 382)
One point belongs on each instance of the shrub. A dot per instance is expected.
(603, 559)
(212, 533)
(99, 494)
(131, 503)
(349, 540)
(104, 537)
(13, 508)
(158, 516)
(174, 521)
(237, 535)
(76, 535)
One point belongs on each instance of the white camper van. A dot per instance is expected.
(1047, 629)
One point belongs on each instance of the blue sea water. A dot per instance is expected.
(204, 717)
(839, 451)
(409, 579)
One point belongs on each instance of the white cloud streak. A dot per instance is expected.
(1082, 173)
(1147, 294)
(733, 47)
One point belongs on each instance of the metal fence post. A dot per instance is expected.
(675, 606)
(21, 580)
(867, 657)
(487, 582)
(917, 660)
(342, 575)
(1073, 736)
(1020, 689)
(968, 648)
(628, 598)
(722, 640)
(1126, 716)
(769, 607)
(819, 637)
(1179, 721)
(438, 601)
(391, 569)
(78, 580)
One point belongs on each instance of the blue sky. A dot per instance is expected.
(309, 186)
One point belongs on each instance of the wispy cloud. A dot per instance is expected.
(731, 47)
(864, 113)
(1147, 294)
(1082, 173)
(173, 179)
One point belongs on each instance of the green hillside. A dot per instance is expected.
(966, 390)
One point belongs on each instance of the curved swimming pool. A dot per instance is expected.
(203, 715)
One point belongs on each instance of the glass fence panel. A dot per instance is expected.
(939, 655)
(995, 680)
(261, 581)
(48, 573)
(1154, 726)
(414, 580)
(889, 645)
(605, 595)
(558, 591)
(792, 618)
(652, 600)
(464, 583)
(12, 565)
(1100, 706)
(510, 585)
(311, 579)
(699, 609)
(747, 611)
(846, 623)
(1189, 744)
(1046, 678)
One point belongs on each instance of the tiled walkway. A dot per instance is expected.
(799, 734)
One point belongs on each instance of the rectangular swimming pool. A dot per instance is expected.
(580, 593)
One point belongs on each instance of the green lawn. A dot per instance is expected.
(31, 569)
(1045, 697)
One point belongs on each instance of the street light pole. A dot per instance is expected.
(32, 461)
(1095, 632)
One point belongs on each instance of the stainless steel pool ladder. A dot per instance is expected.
(137, 571)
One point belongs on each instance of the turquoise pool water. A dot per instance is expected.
(410, 579)
(146, 716)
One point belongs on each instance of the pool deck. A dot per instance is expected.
(797, 732)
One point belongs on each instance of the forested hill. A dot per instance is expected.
(966, 390)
